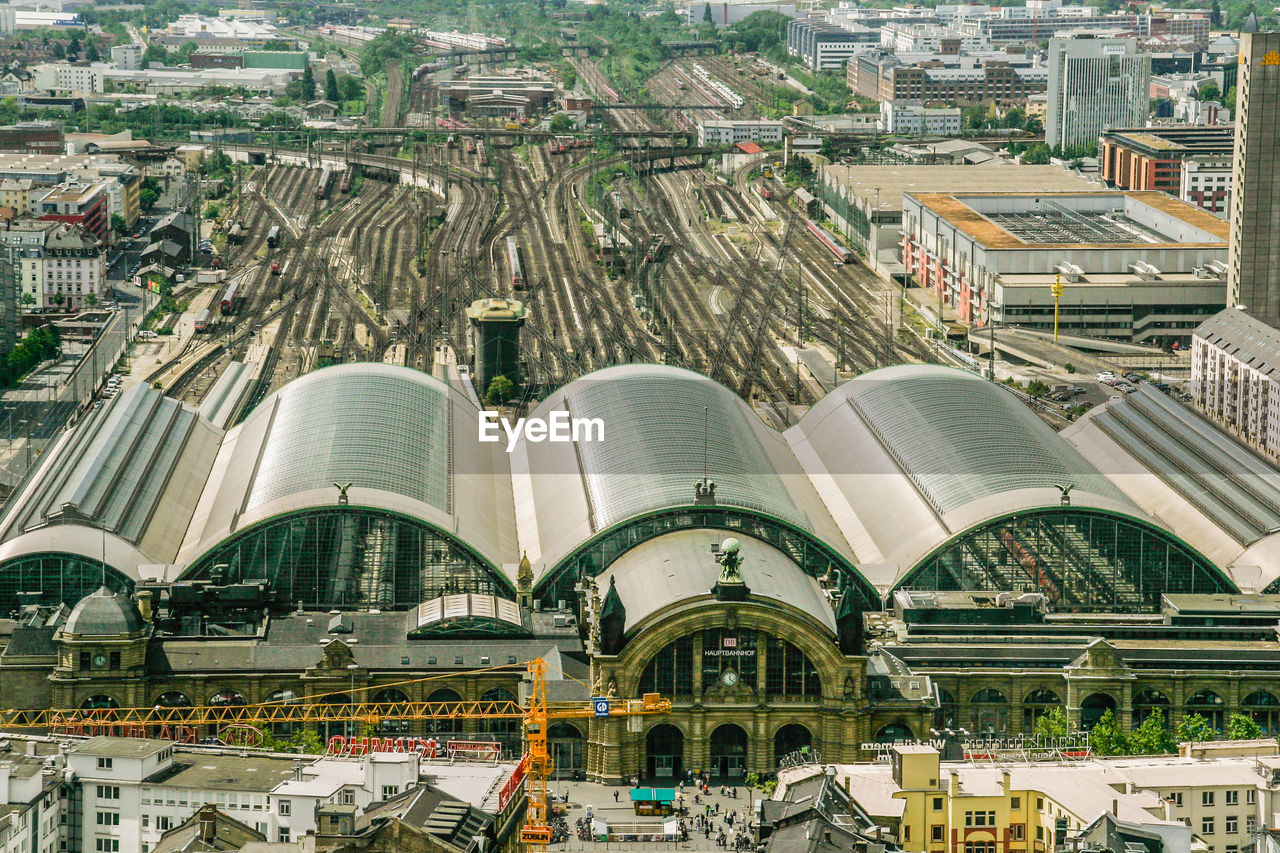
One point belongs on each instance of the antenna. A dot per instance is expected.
(103, 528)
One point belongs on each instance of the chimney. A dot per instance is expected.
(1004, 782)
(297, 769)
(208, 823)
(31, 747)
(1115, 808)
(144, 604)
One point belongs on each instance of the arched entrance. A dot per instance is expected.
(446, 729)
(728, 752)
(895, 733)
(1093, 707)
(397, 699)
(792, 737)
(505, 732)
(664, 752)
(565, 744)
(1148, 702)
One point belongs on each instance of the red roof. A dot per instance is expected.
(749, 148)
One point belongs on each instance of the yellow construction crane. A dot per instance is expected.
(536, 716)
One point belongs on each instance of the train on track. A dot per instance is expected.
(204, 320)
(482, 156)
(230, 299)
(517, 268)
(836, 247)
(619, 206)
(348, 175)
(324, 182)
(235, 233)
(275, 268)
(658, 247)
(471, 145)
(273, 236)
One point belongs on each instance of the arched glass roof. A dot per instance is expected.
(373, 429)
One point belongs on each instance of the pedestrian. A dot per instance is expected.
(735, 793)
(717, 808)
(615, 796)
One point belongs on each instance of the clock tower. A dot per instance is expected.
(102, 651)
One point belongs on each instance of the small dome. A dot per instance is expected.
(104, 613)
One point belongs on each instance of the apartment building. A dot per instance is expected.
(823, 46)
(958, 80)
(70, 78)
(733, 132)
(914, 119)
(1206, 182)
(82, 203)
(1234, 363)
(75, 267)
(906, 37)
(1154, 158)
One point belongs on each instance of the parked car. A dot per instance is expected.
(147, 335)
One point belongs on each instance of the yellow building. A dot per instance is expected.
(964, 807)
(190, 155)
(16, 194)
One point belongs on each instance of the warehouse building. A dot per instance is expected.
(1136, 266)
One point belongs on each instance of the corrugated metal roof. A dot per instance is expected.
(1252, 341)
(133, 469)
(960, 438)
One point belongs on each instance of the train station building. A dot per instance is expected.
(353, 536)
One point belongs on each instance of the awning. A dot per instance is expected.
(653, 795)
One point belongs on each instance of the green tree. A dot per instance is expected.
(1194, 727)
(58, 299)
(155, 53)
(1106, 737)
(1037, 389)
(1209, 91)
(212, 211)
(147, 198)
(706, 15)
(352, 88)
(500, 390)
(118, 225)
(1152, 737)
(58, 50)
(1242, 727)
(308, 82)
(331, 86)
(1230, 100)
(91, 51)
(28, 299)
(91, 299)
(561, 123)
(1036, 155)
(1051, 724)
(1015, 117)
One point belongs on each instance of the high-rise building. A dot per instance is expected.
(1094, 84)
(1255, 180)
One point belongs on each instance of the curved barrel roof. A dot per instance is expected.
(402, 440)
(908, 456)
(663, 428)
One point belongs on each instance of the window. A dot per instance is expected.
(906, 833)
(146, 821)
(1039, 804)
(1206, 798)
(348, 797)
(115, 656)
(107, 845)
(1206, 826)
(1231, 825)
(284, 807)
(1250, 823)
(1015, 803)
(284, 835)
(937, 804)
(979, 818)
(85, 657)
(936, 832)
(1039, 833)
(389, 791)
(1251, 796)
(1018, 832)
(108, 792)
(108, 818)
(1233, 797)
(1175, 797)
(104, 763)
(163, 822)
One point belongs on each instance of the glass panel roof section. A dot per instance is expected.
(653, 450)
(372, 430)
(960, 438)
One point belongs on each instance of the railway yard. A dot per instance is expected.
(635, 254)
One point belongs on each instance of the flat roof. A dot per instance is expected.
(956, 210)
(121, 747)
(885, 185)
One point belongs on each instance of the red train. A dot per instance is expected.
(837, 249)
(231, 298)
(275, 268)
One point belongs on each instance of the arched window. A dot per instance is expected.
(1209, 705)
(1036, 704)
(1146, 703)
(99, 702)
(506, 732)
(664, 752)
(565, 744)
(227, 699)
(895, 733)
(173, 699)
(791, 738)
(729, 650)
(790, 672)
(728, 749)
(670, 671)
(283, 696)
(990, 712)
(397, 699)
(445, 726)
(947, 714)
(1093, 708)
(1264, 708)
